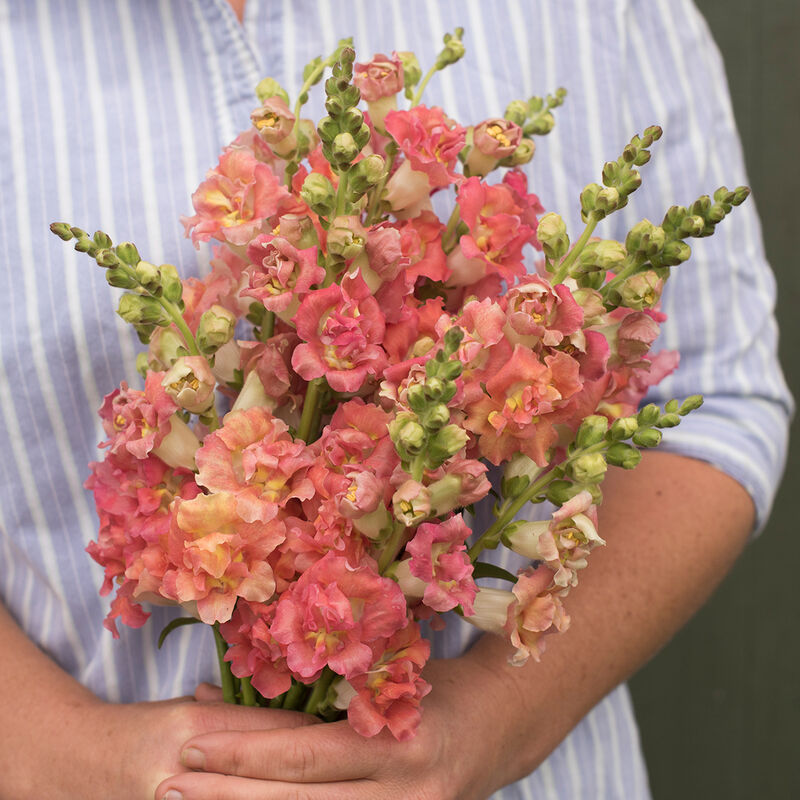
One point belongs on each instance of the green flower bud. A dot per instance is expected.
(645, 238)
(415, 396)
(435, 417)
(674, 253)
(373, 168)
(623, 428)
(412, 72)
(541, 125)
(648, 415)
(589, 468)
(690, 404)
(141, 364)
(148, 275)
(104, 258)
(451, 370)
(516, 111)
(352, 120)
(128, 253)
(444, 444)
(215, 329)
(692, 225)
(120, 279)
(102, 240)
(623, 455)
(519, 473)
(345, 148)
(641, 291)
(269, 87)
(604, 255)
(318, 193)
(647, 437)
(435, 388)
(136, 309)
(343, 240)
(452, 340)
(589, 198)
(522, 155)
(453, 49)
(62, 230)
(552, 233)
(171, 286)
(668, 421)
(607, 200)
(412, 437)
(327, 129)
(591, 431)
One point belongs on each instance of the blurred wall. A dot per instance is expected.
(720, 706)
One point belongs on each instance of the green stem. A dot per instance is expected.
(506, 516)
(292, 698)
(341, 195)
(394, 544)
(573, 254)
(375, 202)
(226, 676)
(421, 88)
(313, 392)
(268, 326)
(320, 691)
(635, 263)
(450, 230)
(248, 693)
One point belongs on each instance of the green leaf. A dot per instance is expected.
(176, 623)
(484, 570)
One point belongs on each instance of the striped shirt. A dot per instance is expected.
(112, 111)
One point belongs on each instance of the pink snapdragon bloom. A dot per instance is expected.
(271, 361)
(628, 385)
(429, 140)
(254, 457)
(380, 77)
(438, 557)
(389, 693)
(342, 328)
(281, 274)
(253, 651)
(492, 140)
(275, 125)
(529, 204)
(332, 614)
(538, 312)
(235, 200)
(516, 413)
(137, 421)
(421, 243)
(636, 333)
(563, 542)
(496, 234)
(217, 556)
(536, 612)
(190, 383)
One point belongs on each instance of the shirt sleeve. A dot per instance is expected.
(721, 303)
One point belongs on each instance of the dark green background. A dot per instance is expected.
(720, 706)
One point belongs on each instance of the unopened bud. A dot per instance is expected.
(444, 444)
(105, 258)
(269, 87)
(412, 72)
(345, 148)
(318, 193)
(128, 253)
(453, 49)
(559, 492)
(519, 473)
(346, 237)
(623, 455)
(674, 253)
(516, 111)
(120, 279)
(641, 291)
(215, 329)
(148, 275)
(62, 230)
(668, 420)
(552, 234)
(592, 431)
(690, 404)
(607, 200)
(171, 286)
(140, 310)
(623, 428)
(415, 397)
(522, 154)
(102, 240)
(605, 255)
(452, 339)
(412, 437)
(589, 468)
(436, 417)
(647, 437)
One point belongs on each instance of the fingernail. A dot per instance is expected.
(172, 794)
(194, 759)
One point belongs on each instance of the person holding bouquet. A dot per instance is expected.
(124, 107)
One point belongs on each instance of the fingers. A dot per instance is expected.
(227, 717)
(328, 752)
(202, 786)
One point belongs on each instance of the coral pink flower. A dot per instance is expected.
(254, 457)
(253, 651)
(539, 312)
(342, 328)
(380, 77)
(513, 416)
(535, 613)
(136, 421)
(281, 274)
(271, 360)
(218, 556)
(496, 234)
(332, 613)
(430, 141)
(493, 140)
(421, 242)
(235, 199)
(389, 693)
(438, 557)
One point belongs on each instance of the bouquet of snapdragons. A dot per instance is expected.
(375, 360)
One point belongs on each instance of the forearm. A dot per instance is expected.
(674, 527)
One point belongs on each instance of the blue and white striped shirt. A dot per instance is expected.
(110, 113)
